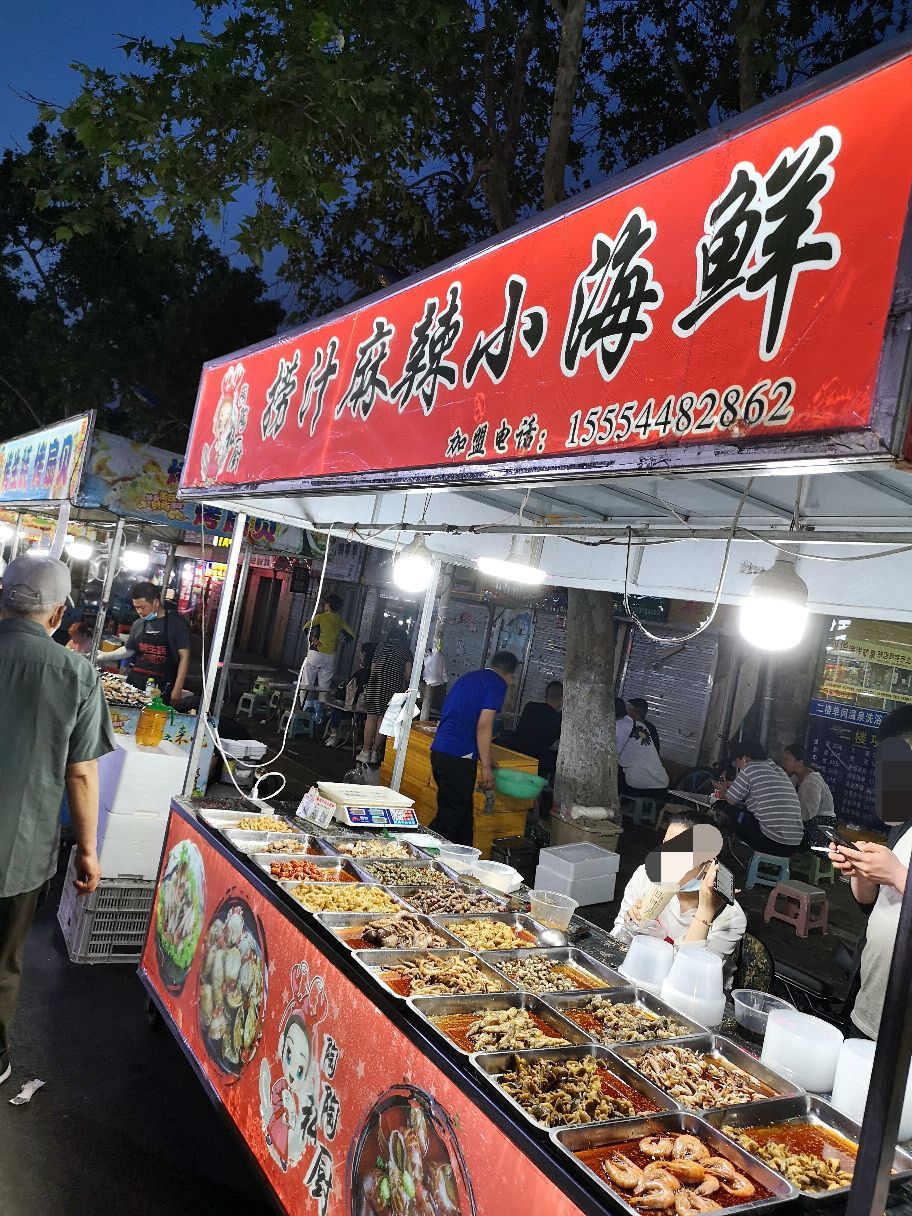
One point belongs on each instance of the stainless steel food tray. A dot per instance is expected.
(334, 841)
(290, 883)
(338, 922)
(332, 865)
(515, 920)
(565, 1002)
(252, 842)
(410, 889)
(806, 1108)
(418, 863)
(596, 1135)
(224, 820)
(430, 1007)
(376, 961)
(493, 1064)
(562, 956)
(717, 1045)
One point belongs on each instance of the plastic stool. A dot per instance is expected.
(643, 811)
(804, 907)
(250, 704)
(301, 724)
(766, 870)
(815, 867)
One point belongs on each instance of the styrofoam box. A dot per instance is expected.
(130, 842)
(133, 778)
(596, 890)
(580, 860)
(244, 749)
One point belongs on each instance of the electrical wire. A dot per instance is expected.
(667, 641)
(820, 557)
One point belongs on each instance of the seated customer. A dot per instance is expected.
(641, 773)
(764, 811)
(538, 729)
(638, 708)
(695, 916)
(817, 809)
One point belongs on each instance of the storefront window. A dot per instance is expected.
(868, 663)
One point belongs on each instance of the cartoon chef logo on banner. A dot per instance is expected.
(228, 425)
(299, 1108)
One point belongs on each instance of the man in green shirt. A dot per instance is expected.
(54, 724)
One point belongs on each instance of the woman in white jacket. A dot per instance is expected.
(696, 917)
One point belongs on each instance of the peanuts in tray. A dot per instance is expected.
(403, 873)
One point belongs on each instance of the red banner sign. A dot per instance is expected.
(323, 1087)
(739, 294)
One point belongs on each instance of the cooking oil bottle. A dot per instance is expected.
(150, 729)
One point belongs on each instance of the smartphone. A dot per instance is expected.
(724, 883)
(833, 835)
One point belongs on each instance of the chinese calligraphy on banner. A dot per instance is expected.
(45, 466)
(316, 1078)
(737, 294)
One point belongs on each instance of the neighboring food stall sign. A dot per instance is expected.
(321, 1085)
(139, 481)
(711, 309)
(45, 466)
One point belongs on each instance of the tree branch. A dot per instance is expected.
(25, 401)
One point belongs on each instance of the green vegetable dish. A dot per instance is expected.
(179, 913)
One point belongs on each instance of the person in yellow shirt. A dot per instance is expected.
(326, 628)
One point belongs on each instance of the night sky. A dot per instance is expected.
(41, 38)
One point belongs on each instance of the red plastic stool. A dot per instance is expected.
(803, 907)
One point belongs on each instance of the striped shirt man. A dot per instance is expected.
(768, 794)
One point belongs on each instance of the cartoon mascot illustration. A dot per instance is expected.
(228, 422)
(289, 1100)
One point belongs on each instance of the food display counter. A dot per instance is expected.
(373, 1062)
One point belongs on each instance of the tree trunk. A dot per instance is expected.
(573, 20)
(746, 33)
(587, 757)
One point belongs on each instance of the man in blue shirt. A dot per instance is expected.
(462, 739)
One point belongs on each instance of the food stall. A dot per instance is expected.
(722, 312)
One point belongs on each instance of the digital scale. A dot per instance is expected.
(369, 806)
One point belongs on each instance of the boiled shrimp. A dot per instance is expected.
(709, 1185)
(734, 1183)
(689, 1202)
(656, 1146)
(688, 1171)
(689, 1148)
(622, 1171)
(657, 1194)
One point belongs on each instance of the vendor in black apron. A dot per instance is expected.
(159, 644)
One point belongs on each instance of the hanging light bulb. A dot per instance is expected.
(135, 559)
(519, 566)
(79, 549)
(413, 565)
(774, 616)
